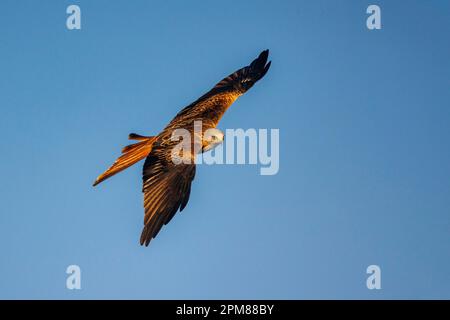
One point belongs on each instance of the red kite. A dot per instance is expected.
(166, 185)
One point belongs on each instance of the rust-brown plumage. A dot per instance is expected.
(166, 185)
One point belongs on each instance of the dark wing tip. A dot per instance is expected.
(258, 68)
(145, 243)
(244, 78)
(264, 54)
(260, 62)
(266, 68)
(146, 237)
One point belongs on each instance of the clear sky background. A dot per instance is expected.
(364, 149)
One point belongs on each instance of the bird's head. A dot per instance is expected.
(212, 138)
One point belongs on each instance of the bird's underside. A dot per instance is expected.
(167, 183)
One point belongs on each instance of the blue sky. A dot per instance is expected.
(364, 158)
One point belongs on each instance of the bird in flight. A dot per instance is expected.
(167, 183)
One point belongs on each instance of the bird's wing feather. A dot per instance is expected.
(166, 188)
(215, 102)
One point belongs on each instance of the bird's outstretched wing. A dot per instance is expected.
(213, 104)
(166, 188)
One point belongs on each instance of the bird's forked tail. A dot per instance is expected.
(130, 155)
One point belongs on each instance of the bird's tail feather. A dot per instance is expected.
(130, 155)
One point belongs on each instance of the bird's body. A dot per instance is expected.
(166, 184)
